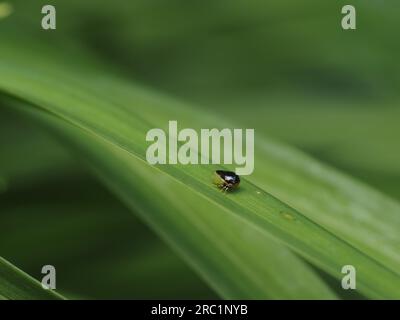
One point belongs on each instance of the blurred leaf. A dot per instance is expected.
(100, 250)
(16, 285)
(210, 246)
(225, 248)
(25, 162)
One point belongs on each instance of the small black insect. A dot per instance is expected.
(226, 180)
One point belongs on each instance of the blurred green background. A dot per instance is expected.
(284, 67)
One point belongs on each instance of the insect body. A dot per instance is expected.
(226, 180)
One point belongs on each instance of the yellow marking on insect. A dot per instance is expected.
(226, 180)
